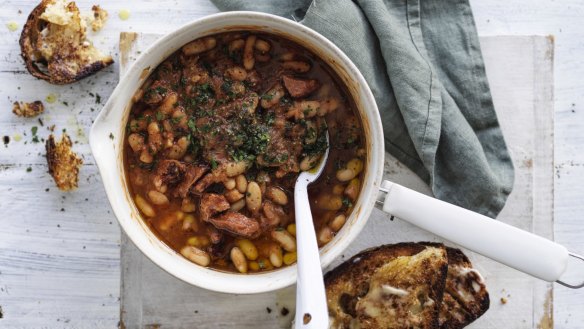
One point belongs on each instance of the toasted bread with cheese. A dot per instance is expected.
(392, 286)
(54, 45)
(63, 162)
(465, 296)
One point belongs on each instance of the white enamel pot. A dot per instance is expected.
(486, 236)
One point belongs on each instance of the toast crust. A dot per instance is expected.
(73, 57)
(465, 295)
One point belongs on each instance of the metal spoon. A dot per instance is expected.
(311, 307)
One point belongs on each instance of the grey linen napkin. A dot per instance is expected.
(423, 62)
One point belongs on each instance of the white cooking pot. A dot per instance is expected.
(501, 242)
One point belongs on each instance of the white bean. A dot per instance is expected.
(337, 223)
(273, 96)
(187, 205)
(196, 255)
(198, 46)
(236, 44)
(287, 56)
(241, 183)
(233, 169)
(168, 104)
(329, 202)
(262, 45)
(136, 142)
(153, 128)
(327, 106)
(285, 239)
(233, 196)
(296, 66)
(308, 162)
(158, 198)
(146, 157)
(178, 150)
(170, 219)
(248, 248)
(229, 184)
(238, 259)
(144, 206)
(276, 255)
(303, 109)
(352, 189)
(277, 195)
(237, 206)
(325, 235)
(248, 59)
(253, 198)
(236, 73)
(354, 167)
(311, 132)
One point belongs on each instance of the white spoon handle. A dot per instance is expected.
(310, 292)
(522, 250)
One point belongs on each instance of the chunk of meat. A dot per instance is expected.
(216, 176)
(213, 132)
(284, 148)
(192, 174)
(212, 204)
(215, 235)
(238, 224)
(169, 173)
(155, 94)
(274, 212)
(248, 103)
(298, 88)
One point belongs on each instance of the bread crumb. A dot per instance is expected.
(28, 110)
(63, 162)
(503, 300)
(99, 18)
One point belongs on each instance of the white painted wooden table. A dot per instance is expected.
(59, 252)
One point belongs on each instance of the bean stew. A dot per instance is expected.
(216, 138)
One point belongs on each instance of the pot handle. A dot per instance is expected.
(522, 250)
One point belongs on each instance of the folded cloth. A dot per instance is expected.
(423, 62)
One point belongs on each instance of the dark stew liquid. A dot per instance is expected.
(216, 138)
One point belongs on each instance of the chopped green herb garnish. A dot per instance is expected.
(347, 202)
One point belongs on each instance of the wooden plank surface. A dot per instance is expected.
(520, 71)
(47, 278)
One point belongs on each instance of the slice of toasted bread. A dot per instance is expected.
(63, 162)
(465, 297)
(392, 286)
(54, 46)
